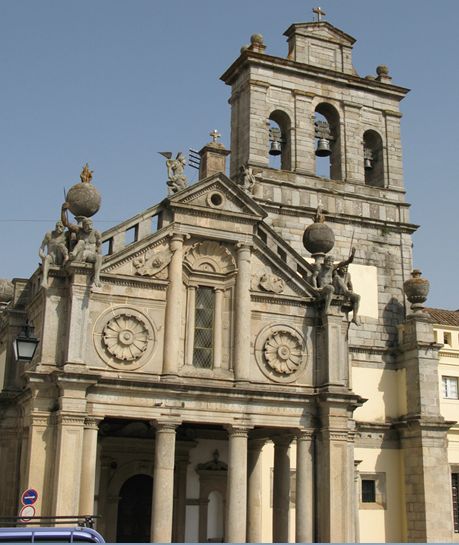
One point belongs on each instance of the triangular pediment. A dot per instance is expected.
(321, 30)
(217, 194)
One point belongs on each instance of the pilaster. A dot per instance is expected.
(423, 434)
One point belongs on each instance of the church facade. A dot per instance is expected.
(207, 370)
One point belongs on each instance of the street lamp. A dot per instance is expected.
(25, 344)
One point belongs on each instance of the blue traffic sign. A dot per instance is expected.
(29, 496)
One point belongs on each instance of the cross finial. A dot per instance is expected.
(320, 13)
(215, 135)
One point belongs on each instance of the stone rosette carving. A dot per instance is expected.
(280, 352)
(210, 256)
(124, 338)
(283, 352)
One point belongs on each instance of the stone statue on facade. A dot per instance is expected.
(175, 171)
(330, 279)
(53, 250)
(88, 247)
(247, 179)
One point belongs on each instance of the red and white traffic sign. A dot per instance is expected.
(27, 512)
(29, 496)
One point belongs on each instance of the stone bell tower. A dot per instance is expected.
(317, 77)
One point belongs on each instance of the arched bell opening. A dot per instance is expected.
(279, 150)
(327, 141)
(373, 163)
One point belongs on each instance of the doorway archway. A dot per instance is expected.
(134, 510)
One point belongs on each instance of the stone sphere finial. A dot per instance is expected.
(318, 238)
(382, 70)
(256, 39)
(83, 198)
(416, 290)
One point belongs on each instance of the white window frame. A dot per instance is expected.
(449, 387)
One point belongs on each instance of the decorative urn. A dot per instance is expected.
(318, 238)
(416, 290)
(83, 198)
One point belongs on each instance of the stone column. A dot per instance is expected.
(190, 324)
(218, 327)
(236, 492)
(242, 327)
(181, 467)
(281, 489)
(305, 500)
(67, 472)
(254, 496)
(173, 319)
(163, 483)
(88, 466)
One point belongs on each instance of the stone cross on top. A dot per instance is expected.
(215, 135)
(320, 13)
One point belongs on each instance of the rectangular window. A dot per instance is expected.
(373, 491)
(454, 491)
(368, 491)
(447, 338)
(203, 353)
(449, 385)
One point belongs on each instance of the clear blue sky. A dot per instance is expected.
(113, 82)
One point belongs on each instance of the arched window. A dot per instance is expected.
(279, 141)
(373, 159)
(328, 144)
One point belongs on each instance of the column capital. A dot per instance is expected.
(238, 430)
(304, 435)
(243, 247)
(256, 443)
(92, 422)
(282, 440)
(166, 425)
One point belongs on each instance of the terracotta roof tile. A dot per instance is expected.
(444, 317)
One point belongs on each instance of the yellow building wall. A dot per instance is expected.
(379, 524)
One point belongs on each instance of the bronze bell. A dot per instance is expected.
(323, 148)
(276, 148)
(367, 163)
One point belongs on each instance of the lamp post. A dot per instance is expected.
(25, 344)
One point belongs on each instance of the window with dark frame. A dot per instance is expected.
(454, 491)
(203, 350)
(368, 491)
